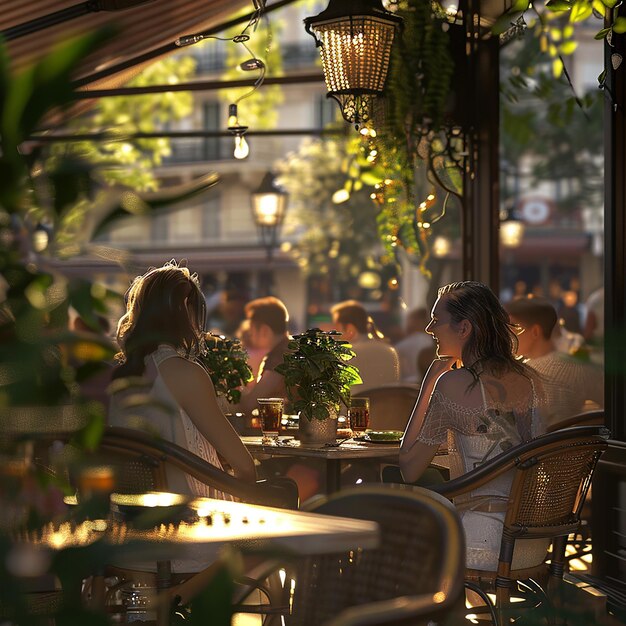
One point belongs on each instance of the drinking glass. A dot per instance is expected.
(359, 414)
(270, 414)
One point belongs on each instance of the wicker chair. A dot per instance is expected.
(391, 405)
(588, 418)
(416, 573)
(139, 462)
(552, 475)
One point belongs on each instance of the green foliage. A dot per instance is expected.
(413, 151)
(535, 104)
(42, 363)
(333, 238)
(226, 362)
(317, 374)
(554, 25)
(125, 161)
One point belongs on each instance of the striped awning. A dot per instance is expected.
(151, 26)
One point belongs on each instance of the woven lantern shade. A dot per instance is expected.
(355, 38)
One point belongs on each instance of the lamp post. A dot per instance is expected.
(269, 205)
(355, 39)
(511, 229)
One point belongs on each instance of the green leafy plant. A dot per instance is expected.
(42, 362)
(226, 362)
(317, 374)
(408, 160)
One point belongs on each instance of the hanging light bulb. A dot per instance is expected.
(242, 149)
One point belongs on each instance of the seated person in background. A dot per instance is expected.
(568, 382)
(375, 359)
(255, 355)
(565, 340)
(268, 319)
(480, 398)
(159, 335)
(408, 349)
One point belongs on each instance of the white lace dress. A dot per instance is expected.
(475, 435)
(163, 416)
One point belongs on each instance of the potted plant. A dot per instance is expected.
(226, 362)
(318, 378)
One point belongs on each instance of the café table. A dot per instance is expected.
(333, 456)
(250, 528)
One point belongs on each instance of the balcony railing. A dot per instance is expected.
(295, 55)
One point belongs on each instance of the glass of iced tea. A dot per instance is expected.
(359, 414)
(270, 415)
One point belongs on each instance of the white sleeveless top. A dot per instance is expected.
(475, 435)
(163, 416)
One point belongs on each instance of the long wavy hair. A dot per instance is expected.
(493, 340)
(164, 305)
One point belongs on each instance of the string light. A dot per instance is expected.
(242, 149)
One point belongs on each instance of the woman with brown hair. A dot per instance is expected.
(159, 336)
(481, 399)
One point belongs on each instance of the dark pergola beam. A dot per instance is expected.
(202, 85)
(46, 21)
(169, 48)
(183, 134)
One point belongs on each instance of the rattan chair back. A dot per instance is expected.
(141, 459)
(552, 474)
(420, 559)
(551, 482)
(588, 418)
(391, 405)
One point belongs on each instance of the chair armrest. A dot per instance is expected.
(279, 492)
(400, 608)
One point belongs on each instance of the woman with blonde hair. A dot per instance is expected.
(481, 399)
(159, 336)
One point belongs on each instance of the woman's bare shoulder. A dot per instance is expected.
(180, 366)
(452, 379)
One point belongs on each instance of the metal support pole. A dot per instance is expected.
(609, 474)
(614, 242)
(480, 206)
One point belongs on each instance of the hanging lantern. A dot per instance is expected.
(355, 38)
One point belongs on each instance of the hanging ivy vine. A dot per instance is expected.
(411, 145)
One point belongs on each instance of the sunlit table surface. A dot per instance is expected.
(250, 527)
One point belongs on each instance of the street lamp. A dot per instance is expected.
(511, 229)
(269, 205)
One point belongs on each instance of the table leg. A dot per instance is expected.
(164, 581)
(333, 475)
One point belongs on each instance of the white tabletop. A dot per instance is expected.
(249, 527)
